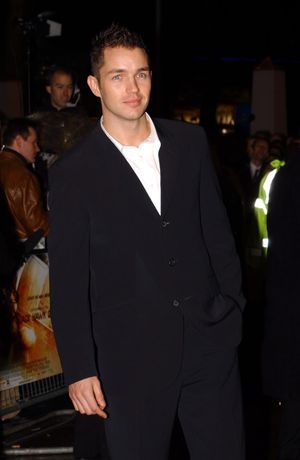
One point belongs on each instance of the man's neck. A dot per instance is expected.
(56, 107)
(128, 132)
(257, 163)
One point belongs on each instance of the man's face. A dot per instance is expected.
(123, 84)
(28, 148)
(260, 150)
(60, 89)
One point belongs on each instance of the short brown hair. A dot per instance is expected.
(18, 127)
(116, 35)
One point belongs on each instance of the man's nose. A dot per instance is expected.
(132, 85)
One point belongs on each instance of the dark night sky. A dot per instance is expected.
(187, 41)
(255, 28)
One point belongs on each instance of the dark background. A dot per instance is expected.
(203, 53)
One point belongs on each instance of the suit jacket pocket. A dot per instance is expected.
(218, 309)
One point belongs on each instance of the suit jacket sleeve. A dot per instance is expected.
(217, 233)
(68, 244)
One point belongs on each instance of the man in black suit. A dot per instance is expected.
(144, 270)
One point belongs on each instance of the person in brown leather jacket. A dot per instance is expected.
(18, 182)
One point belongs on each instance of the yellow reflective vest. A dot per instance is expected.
(262, 202)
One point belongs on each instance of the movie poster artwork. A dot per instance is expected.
(27, 345)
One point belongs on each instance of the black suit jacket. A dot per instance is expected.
(124, 278)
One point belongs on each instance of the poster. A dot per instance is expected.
(28, 350)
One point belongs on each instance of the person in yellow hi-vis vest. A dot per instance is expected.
(262, 202)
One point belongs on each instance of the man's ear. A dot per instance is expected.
(18, 142)
(48, 89)
(94, 85)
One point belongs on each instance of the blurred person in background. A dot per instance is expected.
(18, 182)
(281, 338)
(63, 93)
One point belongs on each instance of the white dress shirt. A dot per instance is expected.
(144, 161)
(254, 170)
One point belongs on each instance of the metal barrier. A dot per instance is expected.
(14, 399)
(31, 436)
(9, 401)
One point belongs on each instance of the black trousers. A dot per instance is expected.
(89, 437)
(205, 396)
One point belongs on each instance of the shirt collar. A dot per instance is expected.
(152, 138)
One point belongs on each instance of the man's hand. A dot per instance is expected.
(87, 397)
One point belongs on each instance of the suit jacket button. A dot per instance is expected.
(165, 223)
(175, 303)
(172, 262)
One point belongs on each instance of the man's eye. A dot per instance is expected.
(116, 77)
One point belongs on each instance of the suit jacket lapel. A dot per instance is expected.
(131, 183)
(169, 162)
(139, 196)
